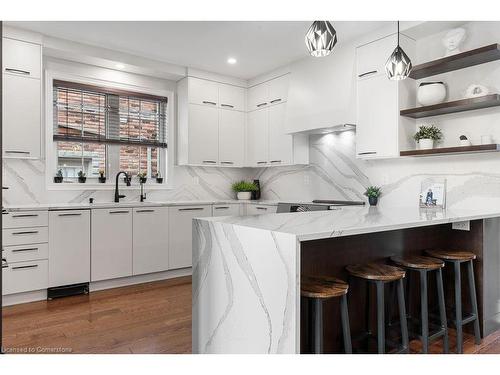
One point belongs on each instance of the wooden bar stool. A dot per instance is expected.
(381, 274)
(423, 265)
(318, 289)
(457, 258)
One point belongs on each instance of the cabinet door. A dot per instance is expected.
(21, 58)
(232, 209)
(371, 57)
(278, 89)
(181, 234)
(150, 240)
(232, 97)
(377, 112)
(280, 144)
(260, 209)
(25, 277)
(258, 96)
(231, 138)
(21, 117)
(203, 135)
(258, 138)
(69, 247)
(111, 244)
(203, 92)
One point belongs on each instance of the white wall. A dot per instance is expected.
(335, 173)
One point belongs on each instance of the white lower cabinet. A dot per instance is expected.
(111, 243)
(69, 247)
(232, 209)
(181, 233)
(150, 240)
(25, 276)
(260, 209)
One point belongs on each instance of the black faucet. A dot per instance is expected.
(117, 194)
(143, 194)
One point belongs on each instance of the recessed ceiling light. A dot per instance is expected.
(120, 66)
(231, 60)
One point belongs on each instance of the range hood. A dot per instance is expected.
(329, 129)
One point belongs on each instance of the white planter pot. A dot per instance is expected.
(464, 142)
(425, 144)
(244, 195)
(430, 93)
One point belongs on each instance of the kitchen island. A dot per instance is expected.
(246, 270)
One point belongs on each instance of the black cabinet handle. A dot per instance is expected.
(209, 102)
(25, 215)
(23, 233)
(275, 101)
(191, 209)
(25, 267)
(18, 71)
(75, 214)
(261, 105)
(227, 105)
(145, 211)
(367, 153)
(119, 212)
(367, 73)
(23, 250)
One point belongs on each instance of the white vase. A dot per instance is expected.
(430, 93)
(244, 195)
(425, 144)
(464, 142)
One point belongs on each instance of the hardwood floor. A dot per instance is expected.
(146, 318)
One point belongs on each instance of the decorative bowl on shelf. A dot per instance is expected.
(430, 93)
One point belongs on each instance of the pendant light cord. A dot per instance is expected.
(398, 33)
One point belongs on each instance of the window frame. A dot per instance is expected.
(166, 154)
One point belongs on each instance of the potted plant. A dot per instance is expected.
(81, 177)
(427, 135)
(142, 177)
(159, 178)
(373, 192)
(102, 178)
(58, 178)
(244, 189)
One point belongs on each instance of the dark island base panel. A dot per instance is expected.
(330, 256)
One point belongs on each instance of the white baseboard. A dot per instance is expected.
(40, 295)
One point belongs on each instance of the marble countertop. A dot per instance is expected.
(125, 204)
(347, 221)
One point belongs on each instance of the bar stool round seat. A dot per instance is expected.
(452, 255)
(418, 262)
(376, 272)
(322, 287)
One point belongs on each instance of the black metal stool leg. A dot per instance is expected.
(458, 306)
(380, 317)
(318, 326)
(402, 317)
(346, 331)
(473, 298)
(442, 309)
(424, 318)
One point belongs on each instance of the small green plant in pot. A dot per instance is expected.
(102, 177)
(373, 192)
(244, 189)
(58, 178)
(142, 177)
(427, 135)
(159, 178)
(82, 178)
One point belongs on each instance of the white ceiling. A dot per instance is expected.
(258, 46)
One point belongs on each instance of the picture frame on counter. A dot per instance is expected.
(433, 193)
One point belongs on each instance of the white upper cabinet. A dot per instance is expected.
(322, 91)
(204, 92)
(21, 58)
(271, 92)
(231, 97)
(258, 138)
(280, 143)
(231, 138)
(203, 138)
(21, 99)
(379, 127)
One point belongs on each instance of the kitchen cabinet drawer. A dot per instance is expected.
(23, 236)
(25, 277)
(111, 243)
(21, 117)
(22, 253)
(226, 209)
(150, 240)
(181, 233)
(21, 58)
(69, 244)
(203, 92)
(231, 97)
(23, 219)
(260, 209)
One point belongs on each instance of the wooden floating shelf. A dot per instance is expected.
(459, 61)
(453, 150)
(461, 105)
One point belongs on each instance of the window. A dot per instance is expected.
(98, 129)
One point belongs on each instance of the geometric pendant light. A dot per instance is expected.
(398, 65)
(321, 38)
